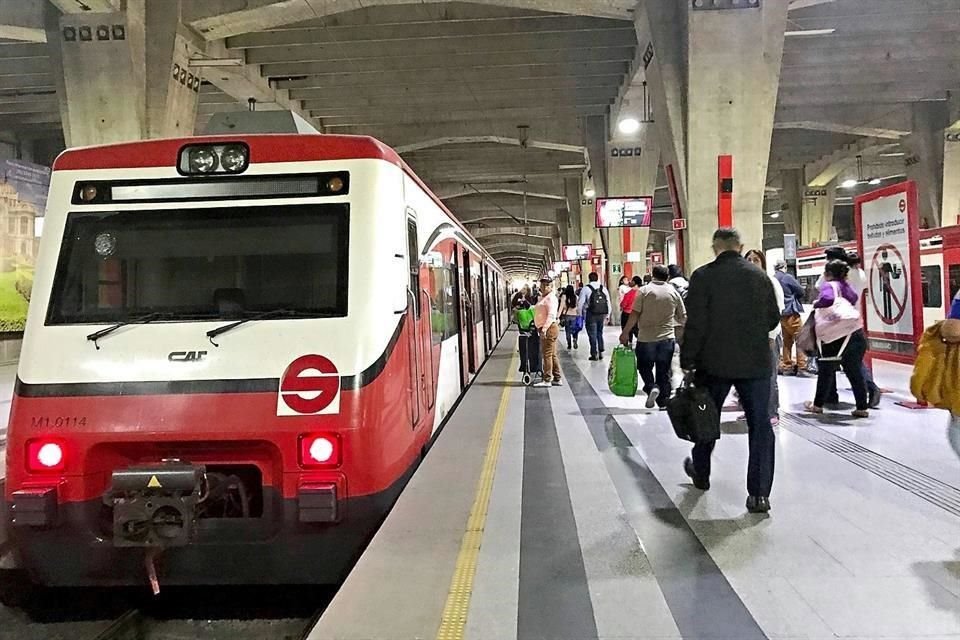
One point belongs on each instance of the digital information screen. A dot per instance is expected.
(624, 212)
(576, 252)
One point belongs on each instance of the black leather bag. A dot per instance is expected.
(693, 414)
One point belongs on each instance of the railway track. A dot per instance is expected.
(137, 625)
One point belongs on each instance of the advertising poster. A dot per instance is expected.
(23, 200)
(575, 252)
(624, 212)
(888, 237)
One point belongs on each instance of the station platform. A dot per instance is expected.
(565, 514)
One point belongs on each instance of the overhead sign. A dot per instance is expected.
(656, 258)
(888, 237)
(575, 252)
(624, 212)
(560, 267)
(679, 224)
(633, 256)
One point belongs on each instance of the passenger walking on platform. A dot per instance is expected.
(756, 258)
(857, 279)
(626, 305)
(678, 281)
(570, 318)
(658, 316)
(594, 306)
(623, 288)
(731, 309)
(790, 321)
(840, 334)
(547, 320)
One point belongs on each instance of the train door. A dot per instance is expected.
(413, 319)
(485, 306)
(470, 328)
(461, 328)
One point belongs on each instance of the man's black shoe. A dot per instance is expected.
(593, 358)
(758, 504)
(698, 482)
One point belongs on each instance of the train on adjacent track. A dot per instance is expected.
(238, 349)
(939, 270)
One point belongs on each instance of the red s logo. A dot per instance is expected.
(309, 386)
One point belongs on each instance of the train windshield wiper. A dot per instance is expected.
(264, 315)
(142, 319)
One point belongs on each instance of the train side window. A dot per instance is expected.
(413, 256)
(931, 284)
(954, 280)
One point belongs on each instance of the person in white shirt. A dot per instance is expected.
(546, 317)
(776, 336)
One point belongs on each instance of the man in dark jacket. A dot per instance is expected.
(731, 309)
(793, 295)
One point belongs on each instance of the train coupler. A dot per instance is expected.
(156, 505)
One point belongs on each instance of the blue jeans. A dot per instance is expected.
(659, 354)
(594, 326)
(755, 398)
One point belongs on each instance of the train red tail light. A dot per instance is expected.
(45, 455)
(320, 450)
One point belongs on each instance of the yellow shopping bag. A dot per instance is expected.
(936, 373)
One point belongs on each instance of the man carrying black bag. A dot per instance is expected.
(731, 309)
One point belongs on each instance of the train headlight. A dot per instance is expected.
(320, 450)
(202, 160)
(206, 159)
(233, 158)
(45, 455)
(105, 244)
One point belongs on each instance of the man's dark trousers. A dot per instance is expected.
(594, 326)
(755, 398)
(659, 355)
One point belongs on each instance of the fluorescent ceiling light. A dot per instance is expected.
(775, 215)
(589, 192)
(216, 62)
(849, 184)
(810, 32)
(874, 181)
(629, 125)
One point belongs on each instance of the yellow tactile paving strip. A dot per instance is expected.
(455, 610)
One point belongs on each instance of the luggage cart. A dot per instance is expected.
(531, 362)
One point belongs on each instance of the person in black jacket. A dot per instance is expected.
(731, 309)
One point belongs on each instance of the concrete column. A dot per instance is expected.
(951, 177)
(574, 195)
(715, 75)
(124, 75)
(816, 222)
(925, 158)
(791, 199)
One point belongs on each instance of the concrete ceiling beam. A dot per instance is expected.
(381, 118)
(463, 60)
(841, 77)
(386, 31)
(826, 169)
(23, 66)
(503, 192)
(26, 82)
(607, 84)
(223, 18)
(536, 230)
(456, 101)
(336, 78)
(866, 131)
(244, 82)
(85, 6)
(334, 51)
(877, 54)
(883, 93)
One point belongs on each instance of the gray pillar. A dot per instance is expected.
(925, 159)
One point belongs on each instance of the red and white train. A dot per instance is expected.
(939, 270)
(238, 349)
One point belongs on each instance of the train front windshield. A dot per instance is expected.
(202, 264)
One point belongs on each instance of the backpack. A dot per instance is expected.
(598, 304)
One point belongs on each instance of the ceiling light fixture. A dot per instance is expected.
(809, 32)
(629, 126)
(874, 181)
(589, 192)
(848, 184)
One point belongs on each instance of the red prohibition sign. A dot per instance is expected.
(897, 306)
(312, 393)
